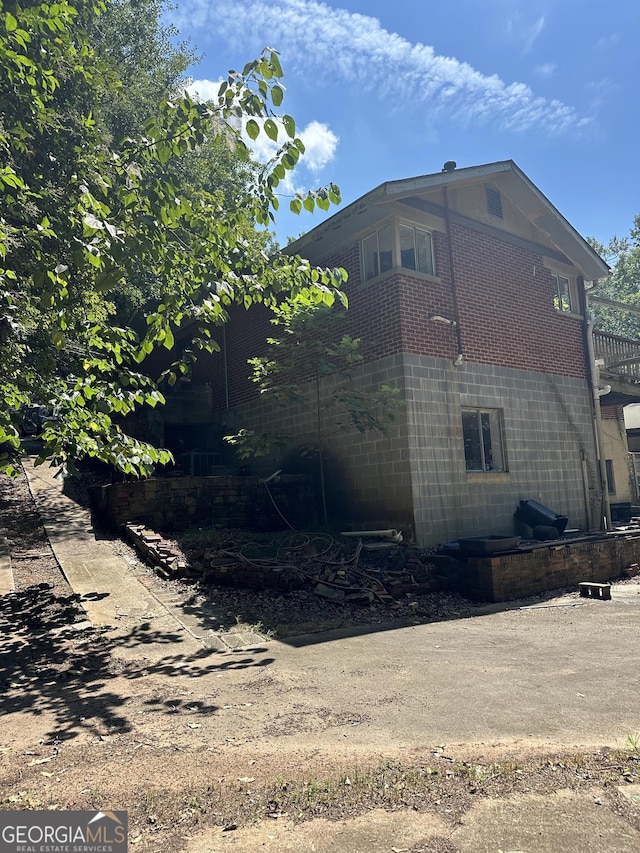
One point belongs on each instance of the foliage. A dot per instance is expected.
(312, 367)
(623, 285)
(86, 216)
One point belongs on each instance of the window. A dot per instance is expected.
(483, 444)
(377, 252)
(561, 293)
(611, 480)
(413, 247)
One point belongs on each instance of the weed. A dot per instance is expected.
(633, 744)
(150, 798)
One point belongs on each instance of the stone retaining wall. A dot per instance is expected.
(180, 502)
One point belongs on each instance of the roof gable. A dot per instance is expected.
(430, 193)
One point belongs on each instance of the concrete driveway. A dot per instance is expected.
(563, 674)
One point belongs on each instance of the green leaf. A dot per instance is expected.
(10, 22)
(277, 95)
(290, 128)
(169, 339)
(252, 128)
(275, 65)
(271, 129)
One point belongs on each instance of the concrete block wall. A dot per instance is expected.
(547, 423)
(368, 474)
(416, 478)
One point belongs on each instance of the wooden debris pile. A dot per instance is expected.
(344, 571)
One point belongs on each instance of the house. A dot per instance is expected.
(467, 287)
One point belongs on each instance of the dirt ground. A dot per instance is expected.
(206, 741)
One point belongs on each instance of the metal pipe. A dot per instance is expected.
(225, 367)
(596, 393)
(395, 535)
(454, 289)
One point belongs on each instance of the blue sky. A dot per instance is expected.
(385, 91)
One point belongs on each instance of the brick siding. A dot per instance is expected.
(519, 575)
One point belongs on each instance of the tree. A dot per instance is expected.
(622, 286)
(130, 37)
(85, 215)
(311, 366)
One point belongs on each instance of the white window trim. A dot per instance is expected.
(396, 253)
(571, 274)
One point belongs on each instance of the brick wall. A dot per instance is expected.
(519, 575)
(505, 299)
(506, 318)
(181, 502)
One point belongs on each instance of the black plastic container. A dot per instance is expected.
(537, 515)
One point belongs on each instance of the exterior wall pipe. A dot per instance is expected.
(596, 394)
(454, 288)
(225, 367)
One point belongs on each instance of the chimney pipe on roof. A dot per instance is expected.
(449, 166)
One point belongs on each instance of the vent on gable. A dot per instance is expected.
(494, 202)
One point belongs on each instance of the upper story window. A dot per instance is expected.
(377, 252)
(416, 250)
(562, 295)
(413, 246)
(483, 441)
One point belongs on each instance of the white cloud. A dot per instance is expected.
(546, 70)
(328, 43)
(320, 144)
(204, 90)
(524, 32)
(608, 42)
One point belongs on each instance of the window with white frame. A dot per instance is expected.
(416, 249)
(483, 440)
(380, 250)
(377, 252)
(562, 293)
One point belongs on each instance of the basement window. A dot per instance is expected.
(413, 246)
(483, 440)
(494, 202)
(562, 297)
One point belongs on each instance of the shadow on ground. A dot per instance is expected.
(54, 663)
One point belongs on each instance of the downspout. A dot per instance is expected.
(225, 367)
(454, 288)
(596, 394)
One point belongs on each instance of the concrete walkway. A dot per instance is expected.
(6, 574)
(111, 592)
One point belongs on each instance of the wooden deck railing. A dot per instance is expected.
(621, 356)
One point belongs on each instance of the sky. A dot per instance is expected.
(382, 91)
